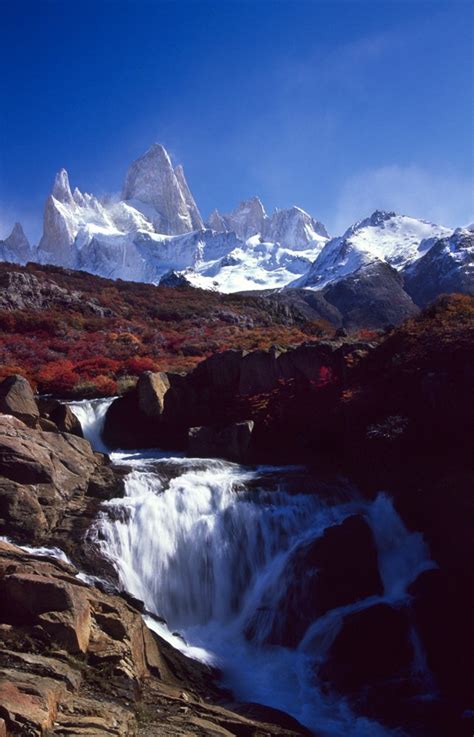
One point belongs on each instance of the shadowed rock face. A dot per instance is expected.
(160, 411)
(17, 399)
(231, 442)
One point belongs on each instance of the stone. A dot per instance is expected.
(65, 419)
(231, 442)
(152, 389)
(372, 645)
(17, 399)
(336, 569)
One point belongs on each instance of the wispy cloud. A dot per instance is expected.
(442, 197)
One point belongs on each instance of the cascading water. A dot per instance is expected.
(205, 544)
(91, 414)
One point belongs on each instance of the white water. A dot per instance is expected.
(91, 414)
(205, 552)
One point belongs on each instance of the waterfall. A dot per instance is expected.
(91, 414)
(205, 545)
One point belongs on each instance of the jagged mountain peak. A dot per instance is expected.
(16, 247)
(17, 236)
(152, 182)
(61, 189)
(216, 221)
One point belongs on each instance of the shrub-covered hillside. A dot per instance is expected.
(75, 334)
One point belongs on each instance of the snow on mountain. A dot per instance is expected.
(155, 231)
(385, 237)
(152, 181)
(16, 247)
(156, 228)
(294, 227)
(447, 267)
(251, 264)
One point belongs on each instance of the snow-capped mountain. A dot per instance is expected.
(154, 231)
(384, 236)
(16, 246)
(447, 267)
(156, 228)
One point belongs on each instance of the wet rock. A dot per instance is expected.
(445, 630)
(231, 442)
(338, 568)
(373, 645)
(17, 399)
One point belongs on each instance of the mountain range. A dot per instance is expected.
(155, 233)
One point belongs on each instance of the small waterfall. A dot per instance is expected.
(205, 544)
(91, 414)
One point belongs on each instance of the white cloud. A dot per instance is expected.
(438, 196)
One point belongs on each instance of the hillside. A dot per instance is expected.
(74, 334)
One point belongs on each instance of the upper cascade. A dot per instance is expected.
(152, 181)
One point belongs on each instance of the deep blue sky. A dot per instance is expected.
(340, 107)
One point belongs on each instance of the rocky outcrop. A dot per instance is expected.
(371, 646)
(336, 569)
(151, 390)
(372, 297)
(60, 415)
(51, 481)
(17, 399)
(231, 442)
(160, 411)
(20, 290)
(75, 660)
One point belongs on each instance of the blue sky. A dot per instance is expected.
(339, 107)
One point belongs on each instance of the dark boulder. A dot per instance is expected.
(372, 645)
(17, 399)
(446, 631)
(231, 442)
(338, 568)
(65, 419)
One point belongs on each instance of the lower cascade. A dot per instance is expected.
(212, 548)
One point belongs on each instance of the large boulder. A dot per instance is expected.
(231, 442)
(338, 568)
(65, 419)
(152, 389)
(446, 631)
(373, 644)
(50, 483)
(17, 399)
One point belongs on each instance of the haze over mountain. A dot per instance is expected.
(154, 231)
